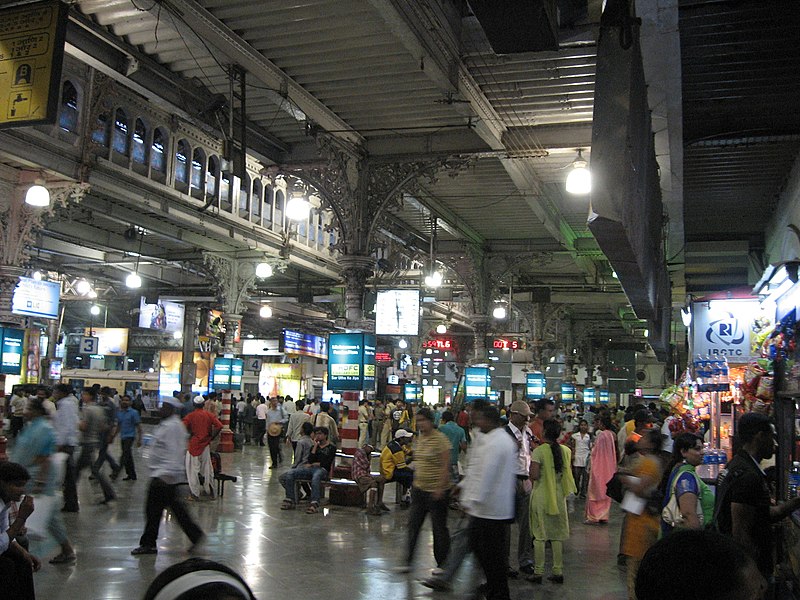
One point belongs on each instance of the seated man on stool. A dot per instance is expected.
(17, 566)
(367, 483)
(320, 461)
(394, 463)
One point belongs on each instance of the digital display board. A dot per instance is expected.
(603, 396)
(227, 373)
(413, 392)
(351, 361)
(535, 385)
(567, 392)
(36, 298)
(397, 312)
(383, 357)
(477, 383)
(304, 344)
(439, 344)
(162, 316)
(507, 344)
(11, 351)
(589, 395)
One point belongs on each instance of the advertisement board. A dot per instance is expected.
(535, 385)
(589, 395)
(304, 344)
(11, 350)
(113, 341)
(412, 392)
(567, 392)
(34, 298)
(477, 383)
(227, 373)
(162, 316)
(280, 379)
(727, 328)
(258, 347)
(351, 361)
(397, 312)
(604, 396)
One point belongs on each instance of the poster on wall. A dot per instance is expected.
(169, 378)
(161, 316)
(279, 379)
(728, 328)
(34, 298)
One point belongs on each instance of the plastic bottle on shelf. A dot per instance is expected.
(794, 480)
(725, 380)
(716, 375)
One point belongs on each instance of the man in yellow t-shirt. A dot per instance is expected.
(429, 493)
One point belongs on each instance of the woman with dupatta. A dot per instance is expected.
(603, 467)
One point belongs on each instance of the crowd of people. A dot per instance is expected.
(523, 464)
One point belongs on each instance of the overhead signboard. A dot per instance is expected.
(726, 328)
(162, 316)
(567, 392)
(303, 344)
(351, 361)
(439, 344)
(227, 373)
(34, 298)
(603, 396)
(589, 395)
(397, 312)
(258, 347)
(113, 341)
(31, 55)
(535, 386)
(412, 392)
(11, 341)
(508, 344)
(477, 383)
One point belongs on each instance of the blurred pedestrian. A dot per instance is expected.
(603, 467)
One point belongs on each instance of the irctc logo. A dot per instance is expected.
(725, 330)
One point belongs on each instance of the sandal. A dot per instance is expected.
(63, 559)
(312, 509)
(287, 505)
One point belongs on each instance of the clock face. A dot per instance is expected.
(397, 312)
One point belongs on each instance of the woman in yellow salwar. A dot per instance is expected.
(553, 482)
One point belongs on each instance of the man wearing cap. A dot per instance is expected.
(394, 462)
(168, 471)
(203, 427)
(519, 414)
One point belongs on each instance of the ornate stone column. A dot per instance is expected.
(188, 367)
(9, 276)
(355, 272)
(481, 325)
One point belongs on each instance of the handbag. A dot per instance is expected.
(671, 513)
(614, 488)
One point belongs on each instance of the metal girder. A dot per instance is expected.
(454, 224)
(204, 24)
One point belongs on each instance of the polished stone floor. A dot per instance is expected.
(338, 554)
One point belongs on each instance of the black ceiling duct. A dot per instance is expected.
(514, 26)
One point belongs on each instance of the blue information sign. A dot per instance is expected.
(36, 298)
(535, 386)
(603, 396)
(477, 384)
(304, 344)
(413, 392)
(351, 361)
(11, 351)
(227, 373)
(589, 395)
(567, 392)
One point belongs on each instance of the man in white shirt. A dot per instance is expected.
(582, 447)
(241, 405)
(519, 414)
(260, 424)
(168, 471)
(65, 423)
(17, 566)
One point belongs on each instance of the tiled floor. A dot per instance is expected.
(338, 554)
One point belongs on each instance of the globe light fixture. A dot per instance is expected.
(298, 208)
(499, 312)
(264, 270)
(265, 312)
(37, 275)
(95, 310)
(178, 335)
(91, 295)
(433, 280)
(38, 195)
(83, 287)
(441, 328)
(402, 344)
(579, 179)
(133, 281)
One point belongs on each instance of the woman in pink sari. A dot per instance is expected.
(603, 466)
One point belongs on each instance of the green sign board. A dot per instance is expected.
(11, 341)
(535, 386)
(413, 392)
(351, 361)
(227, 373)
(477, 383)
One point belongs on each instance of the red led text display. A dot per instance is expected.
(383, 357)
(506, 344)
(439, 344)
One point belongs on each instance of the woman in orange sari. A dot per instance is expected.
(602, 468)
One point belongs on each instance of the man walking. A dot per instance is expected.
(129, 425)
(203, 427)
(106, 402)
(65, 422)
(260, 423)
(94, 427)
(167, 471)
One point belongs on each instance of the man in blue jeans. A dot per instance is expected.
(129, 426)
(319, 466)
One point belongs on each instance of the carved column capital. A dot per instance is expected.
(481, 324)
(355, 272)
(9, 276)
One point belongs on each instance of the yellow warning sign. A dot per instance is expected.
(31, 54)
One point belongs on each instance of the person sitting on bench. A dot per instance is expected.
(394, 463)
(317, 470)
(371, 485)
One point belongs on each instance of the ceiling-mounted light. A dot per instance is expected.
(499, 312)
(686, 316)
(37, 194)
(298, 207)
(83, 287)
(177, 334)
(579, 179)
(263, 270)
(133, 281)
(95, 310)
(402, 344)
(441, 328)
(433, 280)
(265, 312)
(91, 295)
(37, 275)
